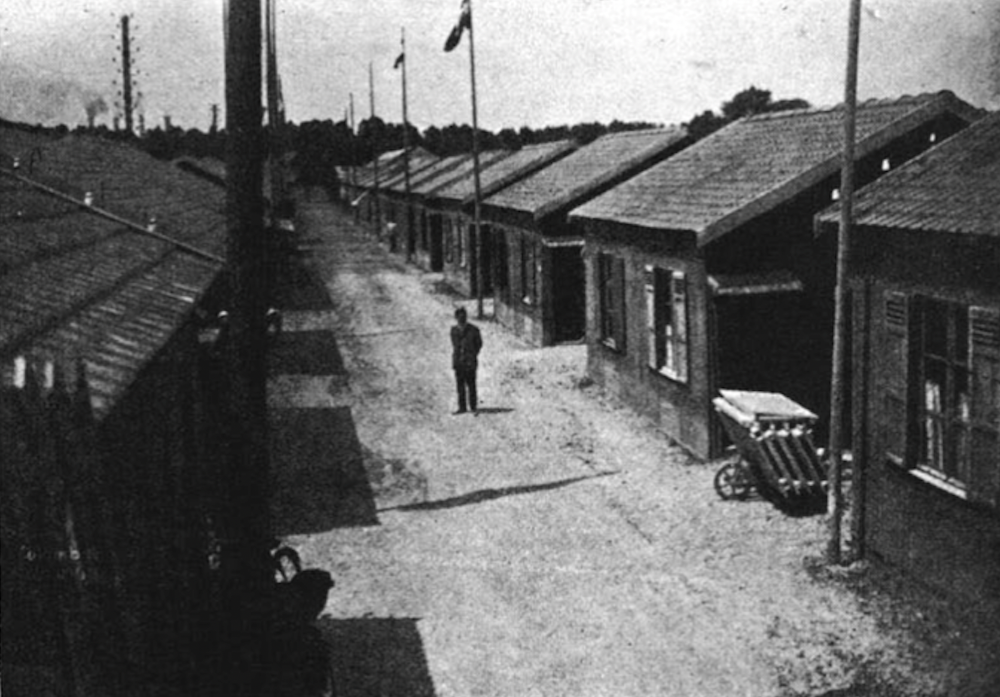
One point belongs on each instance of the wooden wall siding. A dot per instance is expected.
(951, 543)
(526, 320)
(783, 342)
(429, 254)
(107, 523)
(958, 265)
(793, 354)
(681, 411)
(457, 275)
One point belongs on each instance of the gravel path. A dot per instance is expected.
(555, 544)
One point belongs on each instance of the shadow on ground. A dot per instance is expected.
(494, 410)
(491, 494)
(297, 284)
(305, 353)
(377, 656)
(317, 471)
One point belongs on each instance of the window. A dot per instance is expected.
(611, 298)
(940, 377)
(666, 322)
(461, 246)
(529, 271)
(449, 240)
(945, 407)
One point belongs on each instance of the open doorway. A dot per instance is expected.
(569, 298)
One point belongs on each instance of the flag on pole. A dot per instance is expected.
(399, 60)
(464, 22)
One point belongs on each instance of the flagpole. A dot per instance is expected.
(835, 497)
(353, 151)
(374, 130)
(475, 169)
(406, 155)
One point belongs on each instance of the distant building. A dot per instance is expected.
(404, 211)
(360, 190)
(395, 224)
(539, 283)
(925, 285)
(454, 207)
(429, 243)
(703, 273)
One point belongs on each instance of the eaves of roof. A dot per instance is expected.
(620, 171)
(941, 103)
(494, 185)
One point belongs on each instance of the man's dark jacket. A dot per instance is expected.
(465, 345)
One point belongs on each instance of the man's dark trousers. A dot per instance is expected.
(465, 381)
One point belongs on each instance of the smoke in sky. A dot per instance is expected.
(30, 97)
(94, 108)
(994, 59)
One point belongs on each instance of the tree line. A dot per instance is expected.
(319, 146)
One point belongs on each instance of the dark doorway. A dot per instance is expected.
(485, 259)
(437, 242)
(777, 342)
(569, 297)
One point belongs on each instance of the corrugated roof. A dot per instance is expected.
(756, 163)
(19, 141)
(137, 186)
(463, 171)
(505, 172)
(78, 286)
(392, 175)
(420, 174)
(459, 167)
(565, 182)
(390, 164)
(953, 187)
(210, 168)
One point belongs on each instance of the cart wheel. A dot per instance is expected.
(286, 564)
(732, 482)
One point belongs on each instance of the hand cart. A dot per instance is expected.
(773, 436)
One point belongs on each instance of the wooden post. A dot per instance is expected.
(376, 203)
(837, 387)
(246, 359)
(274, 124)
(127, 74)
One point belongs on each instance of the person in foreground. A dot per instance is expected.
(466, 342)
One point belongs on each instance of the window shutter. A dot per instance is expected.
(619, 306)
(894, 376)
(650, 289)
(606, 297)
(984, 353)
(678, 305)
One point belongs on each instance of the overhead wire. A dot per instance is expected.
(104, 213)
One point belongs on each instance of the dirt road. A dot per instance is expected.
(553, 545)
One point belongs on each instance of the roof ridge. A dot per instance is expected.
(874, 102)
(640, 132)
(536, 146)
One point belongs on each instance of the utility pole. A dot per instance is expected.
(273, 110)
(127, 73)
(214, 128)
(835, 502)
(245, 353)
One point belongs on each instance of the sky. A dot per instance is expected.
(538, 63)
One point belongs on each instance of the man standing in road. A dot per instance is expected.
(466, 342)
